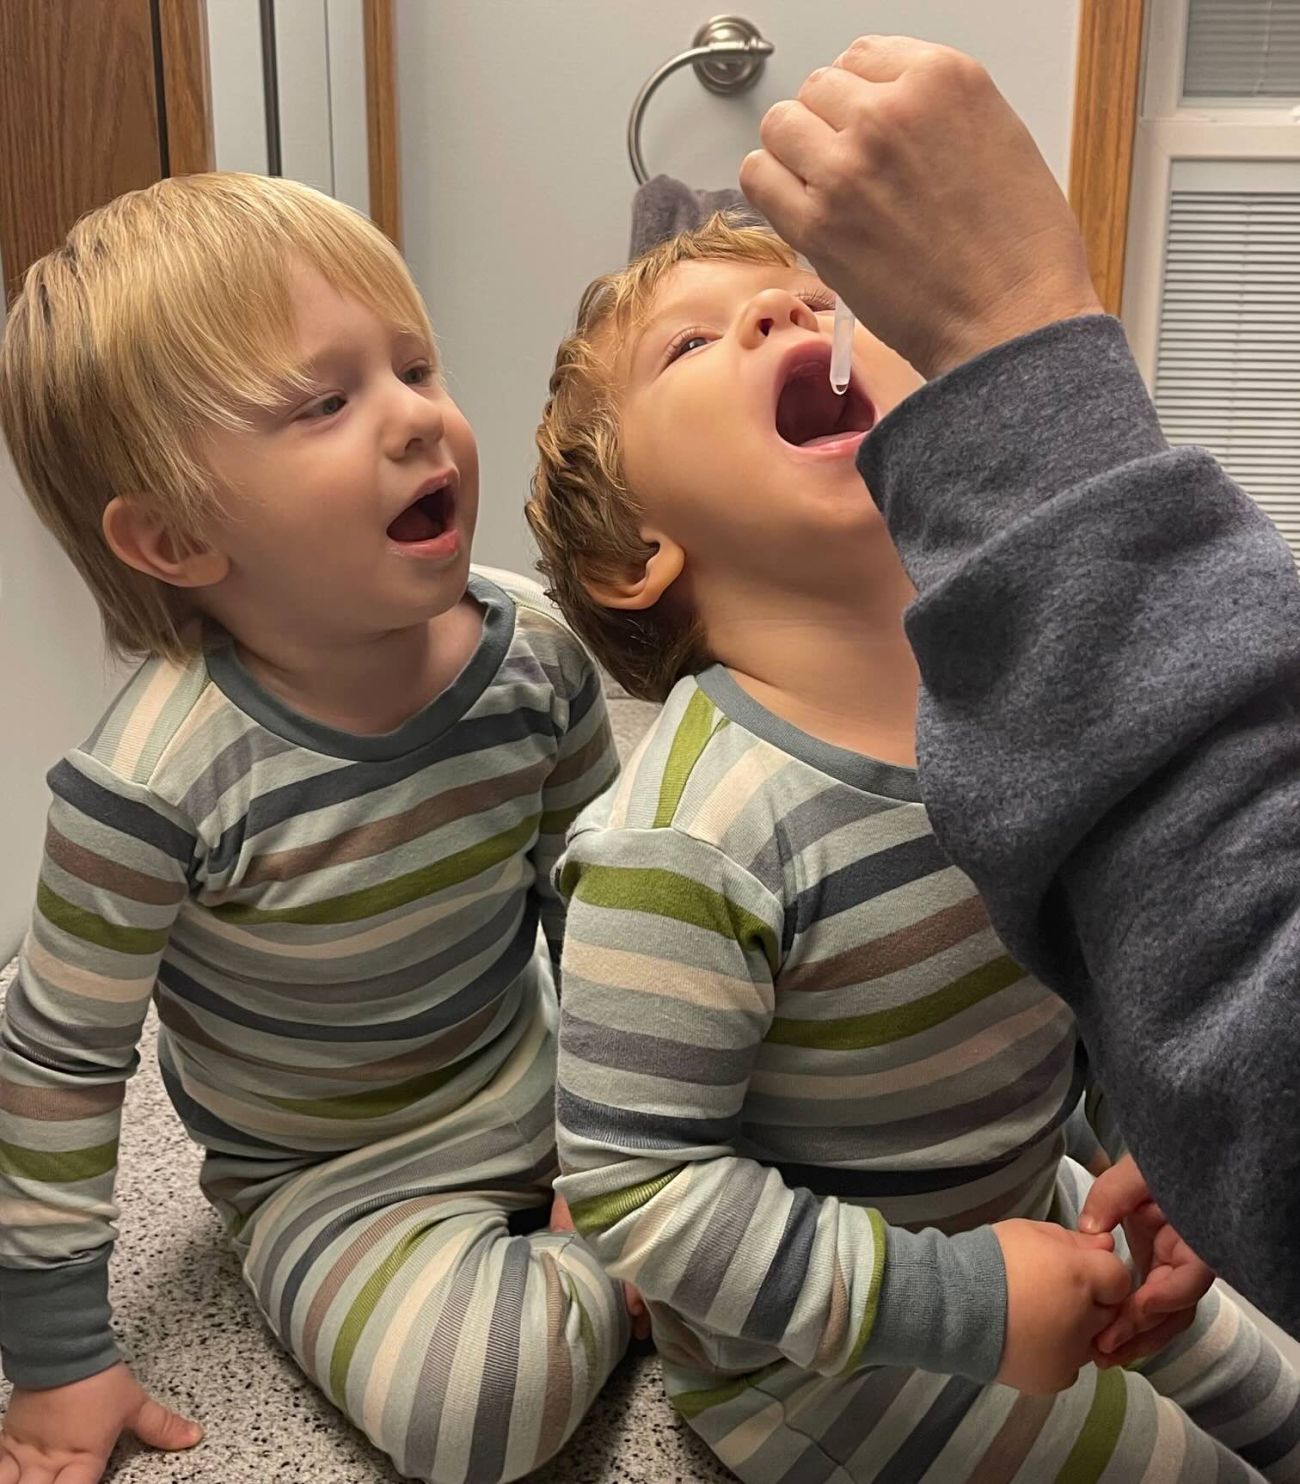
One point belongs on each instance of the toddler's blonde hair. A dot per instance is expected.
(585, 518)
(164, 315)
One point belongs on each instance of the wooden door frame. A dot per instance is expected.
(381, 117)
(185, 86)
(186, 91)
(1108, 77)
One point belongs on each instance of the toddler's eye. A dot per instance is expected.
(819, 303)
(327, 407)
(683, 346)
(419, 375)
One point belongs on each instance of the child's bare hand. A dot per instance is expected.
(637, 1313)
(1063, 1289)
(64, 1435)
(1174, 1279)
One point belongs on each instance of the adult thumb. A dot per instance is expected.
(159, 1427)
(1114, 1195)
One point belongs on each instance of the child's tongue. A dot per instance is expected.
(415, 523)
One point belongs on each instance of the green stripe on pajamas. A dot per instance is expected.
(341, 936)
(1217, 1406)
(799, 1081)
(462, 1350)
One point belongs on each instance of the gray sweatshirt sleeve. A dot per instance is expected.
(1108, 632)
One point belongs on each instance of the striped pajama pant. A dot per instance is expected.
(1219, 1404)
(408, 1281)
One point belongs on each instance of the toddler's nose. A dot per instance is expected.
(420, 424)
(773, 310)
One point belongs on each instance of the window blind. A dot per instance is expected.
(1242, 49)
(1228, 363)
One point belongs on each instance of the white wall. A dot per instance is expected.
(320, 66)
(516, 185)
(54, 681)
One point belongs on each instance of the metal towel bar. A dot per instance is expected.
(728, 54)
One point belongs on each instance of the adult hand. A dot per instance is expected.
(910, 184)
(1174, 1279)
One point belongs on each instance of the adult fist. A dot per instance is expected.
(913, 188)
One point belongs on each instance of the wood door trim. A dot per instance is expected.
(1101, 153)
(187, 87)
(381, 117)
(78, 117)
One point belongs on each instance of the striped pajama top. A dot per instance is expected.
(799, 1076)
(340, 934)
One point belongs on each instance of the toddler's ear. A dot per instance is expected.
(643, 589)
(140, 539)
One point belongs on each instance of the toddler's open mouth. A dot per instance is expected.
(426, 518)
(810, 414)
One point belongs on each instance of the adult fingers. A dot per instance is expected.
(797, 137)
(1169, 1289)
(1116, 1194)
(834, 95)
(9, 1470)
(1141, 1229)
(776, 191)
(885, 58)
(1153, 1341)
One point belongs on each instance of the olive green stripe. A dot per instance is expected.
(586, 1330)
(376, 1102)
(669, 894)
(557, 821)
(54, 1166)
(880, 1027)
(91, 928)
(872, 1306)
(599, 1212)
(1095, 1445)
(363, 1306)
(690, 1404)
(373, 901)
(689, 741)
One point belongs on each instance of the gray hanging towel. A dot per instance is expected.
(662, 207)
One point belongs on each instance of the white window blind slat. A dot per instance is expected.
(1228, 359)
(1242, 49)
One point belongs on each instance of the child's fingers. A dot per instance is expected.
(561, 1217)
(1108, 1278)
(80, 1473)
(637, 1312)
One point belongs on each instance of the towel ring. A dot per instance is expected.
(728, 54)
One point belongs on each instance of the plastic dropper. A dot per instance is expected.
(841, 347)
